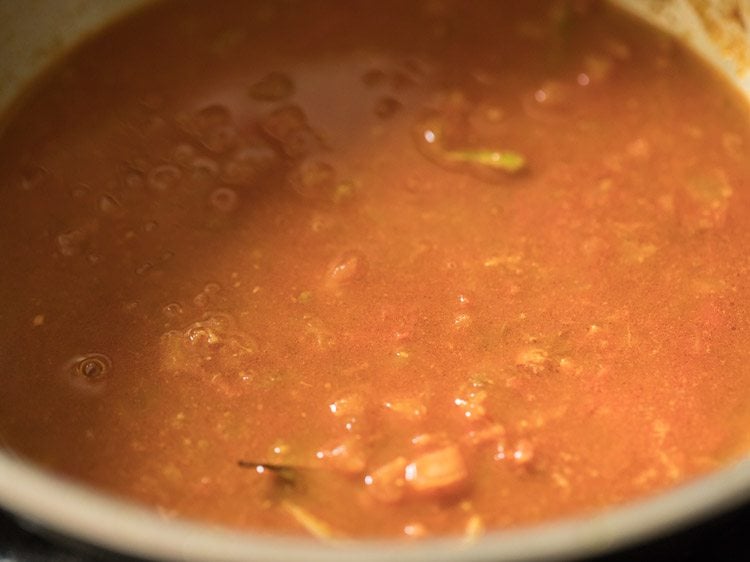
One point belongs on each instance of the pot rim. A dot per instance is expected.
(78, 511)
(74, 510)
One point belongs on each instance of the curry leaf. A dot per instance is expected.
(505, 160)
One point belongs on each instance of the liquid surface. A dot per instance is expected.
(376, 269)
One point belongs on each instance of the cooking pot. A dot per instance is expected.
(33, 34)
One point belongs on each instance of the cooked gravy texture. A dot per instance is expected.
(386, 268)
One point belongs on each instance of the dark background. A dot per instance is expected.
(723, 538)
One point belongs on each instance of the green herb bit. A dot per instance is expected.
(505, 160)
(286, 474)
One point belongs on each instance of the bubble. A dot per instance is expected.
(204, 168)
(183, 154)
(163, 177)
(289, 127)
(214, 350)
(248, 163)
(275, 86)
(212, 288)
(172, 310)
(201, 335)
(212, 127)
(220, 139)
(88, 372)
